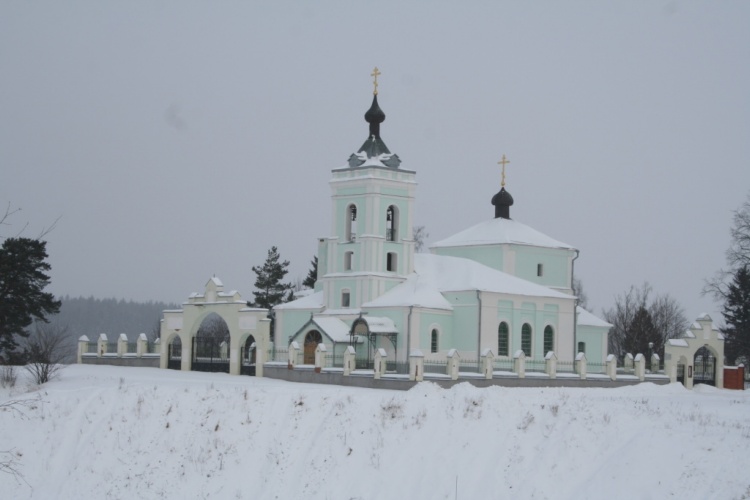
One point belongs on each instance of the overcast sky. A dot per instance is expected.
(178, 140)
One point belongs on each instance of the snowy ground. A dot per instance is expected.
(110, 432)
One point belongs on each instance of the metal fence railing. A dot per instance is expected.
(469, 366)
(566, 367)
(502, 364)
(436, 366)
(536, 365)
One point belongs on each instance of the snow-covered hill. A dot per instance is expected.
(107, 432)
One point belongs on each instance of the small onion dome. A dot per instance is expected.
(375, 116)
(502, 202)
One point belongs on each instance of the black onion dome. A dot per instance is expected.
(375, 116)
(374, 145)
(502, 202)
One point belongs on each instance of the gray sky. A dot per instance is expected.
(182, 139)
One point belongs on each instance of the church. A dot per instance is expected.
(497, 285)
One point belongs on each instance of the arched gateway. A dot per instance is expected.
(238, 344)
(698, 356)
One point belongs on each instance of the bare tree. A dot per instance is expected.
(419, 234)
(583, 298)
(638, 320)
(10, 459)
(47, 349)
(737, 255)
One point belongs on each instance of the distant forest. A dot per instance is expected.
(90, 317)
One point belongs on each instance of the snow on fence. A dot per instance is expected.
(120, 348)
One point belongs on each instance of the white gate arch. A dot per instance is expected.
(241, 320)
(702, 333)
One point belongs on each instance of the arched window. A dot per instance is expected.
(391, 263)
(351, 222)
(526, 339)
(434, 341)
(502, 339)
(582, 347)
(549, 339)
(391, 223)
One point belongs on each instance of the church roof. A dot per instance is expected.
(585, 318)
(500, 231)
(312, 301)
(437, 274)
(337, 330)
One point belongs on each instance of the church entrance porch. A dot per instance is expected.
(704, 367)
(312, 339)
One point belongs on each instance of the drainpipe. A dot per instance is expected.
(479, 329)
(408, 334)
(575, 306)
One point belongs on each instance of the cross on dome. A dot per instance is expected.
(375, 73)
(503, 162)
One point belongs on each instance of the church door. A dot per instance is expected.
(312, 339)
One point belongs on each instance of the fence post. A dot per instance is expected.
(550, 364)
(380, 362)
(293, 348)
(350, 360)
(83, 347)
(122, 345)
(101, 345)
(487, 365)
(581, 365)
(655, 359)
(519, 363)
(416, 365)
(612, 366)
(640, 366)
(628, 362)
(141, 345)
(320, 357)
(454, 361)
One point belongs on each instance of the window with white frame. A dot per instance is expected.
(345, 298)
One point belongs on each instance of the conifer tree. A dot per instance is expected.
(271, 290)
(312, 275)
(737, 316)
(23, 278)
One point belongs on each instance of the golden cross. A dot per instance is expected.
(375, 73)
(503, 162)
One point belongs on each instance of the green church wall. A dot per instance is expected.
(595, 339)
(555, 265)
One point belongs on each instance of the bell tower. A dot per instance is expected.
(371, 248)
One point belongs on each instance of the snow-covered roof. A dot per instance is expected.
(336, 329)
(216, 281)
(312, 301)
(415, 291)
(677, 342)
(586, 318)
(378, 324)
(499, 231)
(436, 274)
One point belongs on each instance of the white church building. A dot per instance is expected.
(497, 285)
